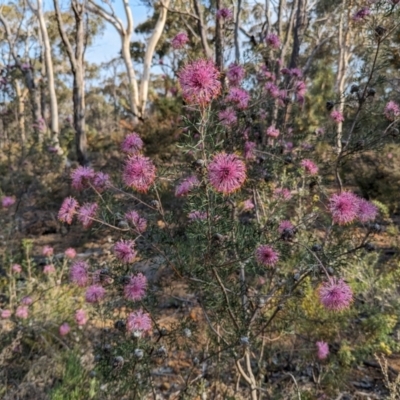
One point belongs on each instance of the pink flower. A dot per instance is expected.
(285, 226)
(199, 82)
(27, 301)
(272, 89)
(186, 186)
(323, 350)
(296, 72)
(86, 213)
(266, 255)
(197, 215)
(239, 97)
(179, 40)
(101, 181)
(49, 269)
(335, 295)
(70, 253)
(79, 273)
(64, 329)
(249, 150)
(47, 251)
(7, 201)
(22, 312)
(81, 177)
(248, 205)
(95, 293)
(282, 193)
(235, 74)
(361, 14)
(309, 167)
(132, 144)
(273, 41)
(227, 117)
(16, 268)
(68, 210)
(367, 211)
(139, 223)
(300, 88)
(138, 321)
(226, 173)
(337, 116)
(135, 290)
(344, 207)
(272, 132)
(124, 250)
(225, 13)
(139, 173)
(80, 317)
(392, 110)
(5, 314)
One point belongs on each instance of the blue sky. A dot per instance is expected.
(108, 46)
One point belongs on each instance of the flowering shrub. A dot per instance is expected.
(263, 235)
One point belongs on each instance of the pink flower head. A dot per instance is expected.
(235, 74)
(296, 72)
(68, 210)
(186, 186)
(135, 290)
(95, 293)
(361, 14)
(344, 207)
(49, 269)
(272, 89)
(64, 329)
(273, 41)
(248, 205)
(249, 150)
(78, 273)
(227, 117)
(266, 255)
(5, 314)
(22, 312)
(132, 144)
(285, 71)
(225, 13)
(80, 317)
(309, 167)
(179, 40)
(139, 173)
(138, 321)
(322, 350)
(367, 211)
(70, 253)
(86, 213)
(81, 177)
(101, 181)
(16, 268)
(285, 226)
(238, 96)
(392, 110)
(199, 82)
(337, 116)
(226, 173)
(139, 223)
(197, 215)
(282, 193)
(7, 201)
(27, 301)
(47, 251)
(335, 295)
(124, 250)
(272, 132)
(300, 88)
